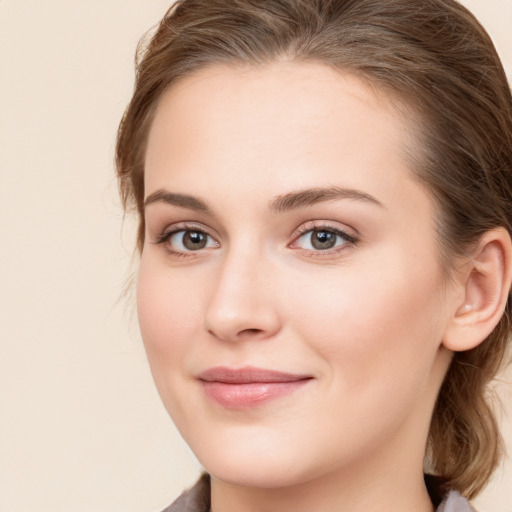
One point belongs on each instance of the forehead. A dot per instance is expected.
(289, 125)
(281, 104)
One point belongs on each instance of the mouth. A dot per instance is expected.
(243, 388)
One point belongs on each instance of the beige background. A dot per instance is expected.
(81, 427)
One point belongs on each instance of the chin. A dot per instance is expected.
(267, 472)
(260, 460)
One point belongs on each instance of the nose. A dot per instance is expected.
(243, 303)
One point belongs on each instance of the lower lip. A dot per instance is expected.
(247, 395)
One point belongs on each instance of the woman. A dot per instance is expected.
(324, 190)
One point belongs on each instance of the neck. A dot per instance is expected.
(391, 488)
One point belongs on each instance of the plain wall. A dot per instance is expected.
(81, 426)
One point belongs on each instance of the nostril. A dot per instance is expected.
(237, 335)
(244, 333)
(249, 332)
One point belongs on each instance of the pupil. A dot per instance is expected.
(194, 240)
(323, 239)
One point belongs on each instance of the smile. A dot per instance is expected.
(248, 387)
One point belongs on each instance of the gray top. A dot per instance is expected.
(454, 502)
(197, 499)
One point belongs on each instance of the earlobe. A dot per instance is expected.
(485, 282)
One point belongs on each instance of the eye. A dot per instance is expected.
(187, 240)
(323, 238)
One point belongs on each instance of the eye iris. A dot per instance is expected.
(194, 240)
(322, 239)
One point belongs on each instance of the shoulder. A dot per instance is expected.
(454, 502)
(195, 499)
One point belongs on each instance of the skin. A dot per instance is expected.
(365, 319)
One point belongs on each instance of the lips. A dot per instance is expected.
(248, 387)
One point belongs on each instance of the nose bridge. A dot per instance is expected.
(240, 305)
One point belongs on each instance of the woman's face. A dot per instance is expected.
(290, 294)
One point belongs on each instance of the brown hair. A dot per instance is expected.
(436, 58)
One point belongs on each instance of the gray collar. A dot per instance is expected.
(454, 502)
(197, 499)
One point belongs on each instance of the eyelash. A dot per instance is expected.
(165, 236)
(350, 240)
(353, 240)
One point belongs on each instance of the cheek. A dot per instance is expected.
(374, 328)
(169, 315)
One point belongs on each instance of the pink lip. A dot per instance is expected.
(248, 387)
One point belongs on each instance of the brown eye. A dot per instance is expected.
(187, 240)
(194, 240)
(322, 239)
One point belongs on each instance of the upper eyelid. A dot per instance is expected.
(188, 226)
(325, 224)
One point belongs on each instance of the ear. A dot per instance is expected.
(485, 283)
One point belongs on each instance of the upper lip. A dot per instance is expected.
(248, 375)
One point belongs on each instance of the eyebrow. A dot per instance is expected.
(312, 196)
(180, 200)
(283, 203)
